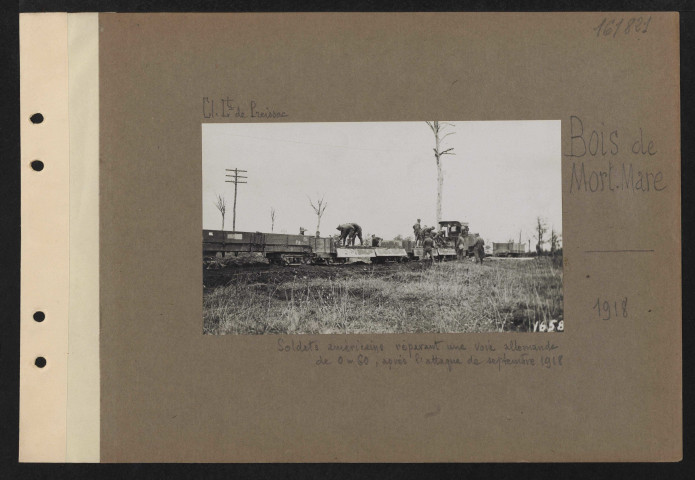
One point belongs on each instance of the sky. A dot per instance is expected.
(383, 176)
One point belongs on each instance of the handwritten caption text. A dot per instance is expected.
(442, 354)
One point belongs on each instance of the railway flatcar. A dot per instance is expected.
(508, 249)
(284, 249)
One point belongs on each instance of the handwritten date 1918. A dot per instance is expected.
(612, 27)
(606, 309)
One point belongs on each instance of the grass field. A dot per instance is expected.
(416, 297)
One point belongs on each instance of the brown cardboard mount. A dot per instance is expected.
(130, 376)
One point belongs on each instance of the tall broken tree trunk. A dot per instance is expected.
(436, 128)
(440, 180)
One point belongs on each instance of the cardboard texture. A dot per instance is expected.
(171, 394)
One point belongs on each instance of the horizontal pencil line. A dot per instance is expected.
(615, 251)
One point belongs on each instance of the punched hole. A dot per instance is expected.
(40, 362)
(39, 316)
(36, 118)
(37, 165)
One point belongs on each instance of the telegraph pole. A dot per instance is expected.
(235, 180)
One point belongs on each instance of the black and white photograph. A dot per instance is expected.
(382, 227)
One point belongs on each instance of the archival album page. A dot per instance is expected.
(437, 237)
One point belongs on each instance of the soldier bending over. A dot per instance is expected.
(356, 232)
(425, 232)
(348, 231)
(345, 230)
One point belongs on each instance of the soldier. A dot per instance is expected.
(426, 232)
(345, 230)
(479, 250)
(302, 230)
(376, 241)
(356, 232)
(461, 247)
(427, 246)
(348, 231)
(439, 238)
(417, 228)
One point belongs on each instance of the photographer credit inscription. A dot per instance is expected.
(228, 107)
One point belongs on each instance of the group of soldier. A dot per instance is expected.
(425, 237)
(423, 233)
(348, 232)
(428, 239)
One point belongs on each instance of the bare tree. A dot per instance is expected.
(221, 205)
(541, 229)
(438, 128)
(319, 207)
(272, 219)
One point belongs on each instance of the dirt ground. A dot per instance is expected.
(273, 274)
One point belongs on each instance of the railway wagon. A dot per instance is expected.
(508, 249)
(278, 248)
(284, 249)
(415, 252)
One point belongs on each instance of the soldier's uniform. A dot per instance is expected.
(461, 247)
(426, 231)
(346, 229)
(479, 250)
(416, 230)
(356, 232)
(376, 241)
(439, 238)
(427, 246)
